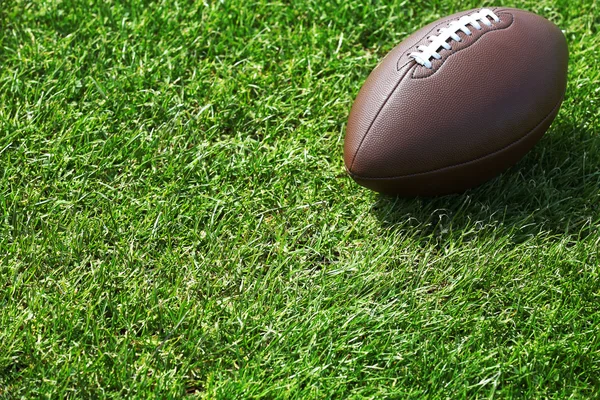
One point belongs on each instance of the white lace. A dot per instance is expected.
(425, 53)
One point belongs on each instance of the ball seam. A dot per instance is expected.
(377, 115)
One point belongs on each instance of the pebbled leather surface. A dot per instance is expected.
(415, 131)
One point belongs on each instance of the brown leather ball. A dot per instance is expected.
(457, 103)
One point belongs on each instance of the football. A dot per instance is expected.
(456, 103)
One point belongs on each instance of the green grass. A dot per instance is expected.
(176, 220)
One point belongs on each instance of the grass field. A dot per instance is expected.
(176, 219)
